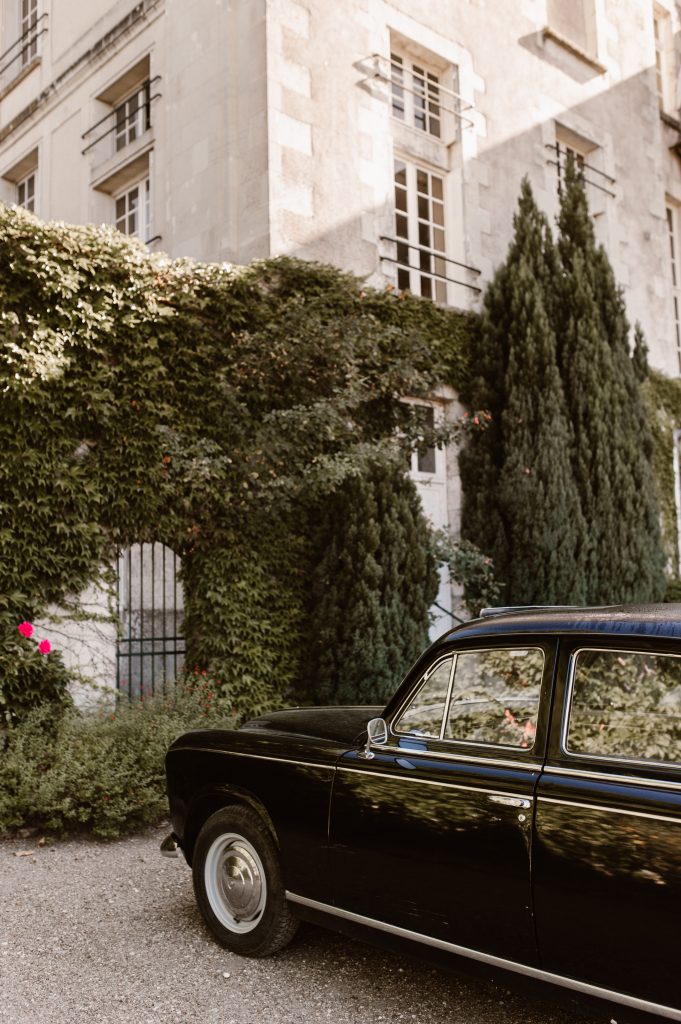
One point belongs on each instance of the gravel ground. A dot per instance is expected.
(109, 932)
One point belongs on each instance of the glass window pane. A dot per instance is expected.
(495, 697)
(423, 207)
(400, 174)
(424, 234)
(424, 715)
(422, 182)
(401, 226)
(120, 210)
(441, 291)
(401, 199)
(438, 213)
(437, 186)
(439, 239)
(426, 287)
(403, 282)
(626, 705)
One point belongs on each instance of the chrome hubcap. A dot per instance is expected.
(235, 883)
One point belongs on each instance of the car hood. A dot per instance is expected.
(341, 724)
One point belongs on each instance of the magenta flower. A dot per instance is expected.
(25, 628)
(44, 646)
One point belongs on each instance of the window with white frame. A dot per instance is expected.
(415, 94)
(26, 192)
(132, 117)
(133, 210)
(420, 231)
(28, 22)
(664, 58)
(672, 212)
(423, 459)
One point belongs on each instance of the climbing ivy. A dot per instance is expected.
(207, 407)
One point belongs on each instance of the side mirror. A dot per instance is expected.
(377, 732)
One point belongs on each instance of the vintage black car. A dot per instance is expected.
(517, 802)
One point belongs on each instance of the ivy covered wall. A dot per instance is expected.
(202, 406)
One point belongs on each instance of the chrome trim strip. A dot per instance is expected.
(432, 782)
(441, 755)
(611, 810)
(489, 958)
(636, 780)
(259, 757)
(567, 707)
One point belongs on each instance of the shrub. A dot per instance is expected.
(103, 770)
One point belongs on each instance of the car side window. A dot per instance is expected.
(625, 704)
(495, 697)
(425, 713)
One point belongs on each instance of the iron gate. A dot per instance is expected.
(151, 647)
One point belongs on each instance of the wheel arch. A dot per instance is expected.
(208, 803)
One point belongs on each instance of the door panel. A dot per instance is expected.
(436, 846)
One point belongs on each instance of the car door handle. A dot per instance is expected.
(510, 801)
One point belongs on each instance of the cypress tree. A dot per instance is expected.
(613, 444)
(520, 505)
(373, 582)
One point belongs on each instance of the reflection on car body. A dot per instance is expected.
(518, 801)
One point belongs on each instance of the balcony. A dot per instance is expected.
(23, 55)
(119, 143)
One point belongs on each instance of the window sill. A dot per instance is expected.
(573, 49)
(20, 76)
(670, 120)
(116, 171)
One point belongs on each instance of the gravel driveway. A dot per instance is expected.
(109, 932)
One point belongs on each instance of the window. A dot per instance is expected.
(673, 235)
(423, 460)
(575, 22)
(133, 211)
(664, 58)
(420, 231)
(415, 92)
(151, 645)
(489, 697)
(26, 192)
(28, 30)
(626, 705)
(132, 117)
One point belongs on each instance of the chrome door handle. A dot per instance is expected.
(510, 801)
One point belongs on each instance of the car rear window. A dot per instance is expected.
(625, 704)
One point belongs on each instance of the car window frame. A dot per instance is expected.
(472, 750)
(616, 760)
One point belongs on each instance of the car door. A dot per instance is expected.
(607, 846)
(432, 833)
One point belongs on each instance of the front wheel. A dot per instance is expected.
(238, 883)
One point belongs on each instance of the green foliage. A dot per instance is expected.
(560, 490)
(101, 771)
(29, 679)
(613, 444)
(202, 406)
(663, 399)
(372, 586)
(470, 568)
(519, 502)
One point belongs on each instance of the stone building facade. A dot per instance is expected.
(388, 137)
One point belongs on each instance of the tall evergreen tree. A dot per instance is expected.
(520, 505)
(373, 583)
(613, 444)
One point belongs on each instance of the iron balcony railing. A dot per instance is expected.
(22, 52)
(123, 124)
(586, 170)
(429, 269)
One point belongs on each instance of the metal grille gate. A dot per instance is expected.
(151, 647)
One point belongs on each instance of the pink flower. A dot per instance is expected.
(25, 628)
(44, 646)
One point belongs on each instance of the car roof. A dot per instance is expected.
(644, 620)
